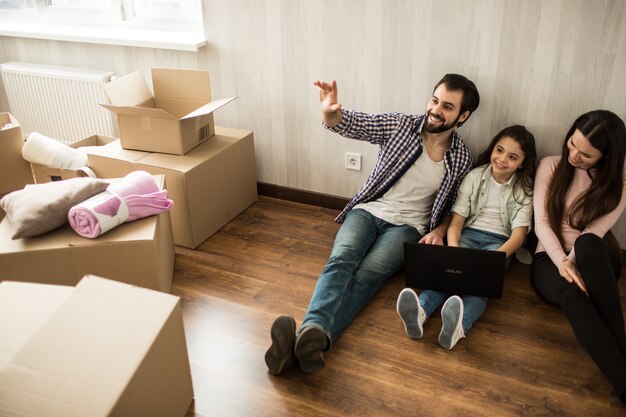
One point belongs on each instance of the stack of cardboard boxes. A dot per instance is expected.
(139, 253)
(210, 171)
(110, 348)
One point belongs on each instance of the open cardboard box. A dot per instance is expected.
(139, 252)
(210, 185)
(42, 173)
(14, 170)
(103, 348)
(175, 119)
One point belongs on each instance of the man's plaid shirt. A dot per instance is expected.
(400, 140)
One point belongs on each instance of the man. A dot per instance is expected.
(407, 197)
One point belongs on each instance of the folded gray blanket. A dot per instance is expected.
(39, 208)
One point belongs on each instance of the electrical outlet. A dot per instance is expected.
(353, 161)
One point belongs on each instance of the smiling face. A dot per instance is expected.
(581, 153)
(507, 157)
(443, 110)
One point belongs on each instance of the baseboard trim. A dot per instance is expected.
(318, 199)
(302, 196)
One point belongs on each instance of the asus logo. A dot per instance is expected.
(454, 271)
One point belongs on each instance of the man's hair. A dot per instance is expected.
(457, 82)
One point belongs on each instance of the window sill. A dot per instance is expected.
(124, 37)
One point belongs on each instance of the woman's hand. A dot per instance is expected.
(570, 272)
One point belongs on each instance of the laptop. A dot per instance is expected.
(455, 270)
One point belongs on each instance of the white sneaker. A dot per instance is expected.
(524, 256)
(452, 318)
(411, 313)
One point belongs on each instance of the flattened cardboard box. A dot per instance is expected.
(175, 119)
(14, 170)
(210, 185)
(42, 173)
(139, 252)
(103, 348)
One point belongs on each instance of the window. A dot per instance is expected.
(172, 24)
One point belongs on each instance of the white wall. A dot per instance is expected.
(537, 63)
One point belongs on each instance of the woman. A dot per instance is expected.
(578, 197)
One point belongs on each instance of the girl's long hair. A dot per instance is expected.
(606, 133)
(526, 140)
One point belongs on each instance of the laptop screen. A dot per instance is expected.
(454, 270)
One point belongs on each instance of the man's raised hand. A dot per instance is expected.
(330, 107)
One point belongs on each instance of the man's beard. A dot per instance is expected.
(433, 129)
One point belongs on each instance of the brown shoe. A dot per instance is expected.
(280, 354)
(310, 346)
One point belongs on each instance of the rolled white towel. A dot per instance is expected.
(40, 149)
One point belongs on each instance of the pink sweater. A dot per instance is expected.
(548, 241)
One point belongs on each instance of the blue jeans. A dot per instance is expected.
(473, 306)
(366, 252)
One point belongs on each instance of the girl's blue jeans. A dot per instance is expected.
(473, 306)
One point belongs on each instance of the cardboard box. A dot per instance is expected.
(42, 173)
(24, 309)
(210, 185)
(14, 170)
(103, 348)
(139, 252)
(175, 119)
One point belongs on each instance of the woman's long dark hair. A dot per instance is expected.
(526, 140)
(606, 133)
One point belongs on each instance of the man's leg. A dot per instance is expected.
(353, 239)
(384, 258)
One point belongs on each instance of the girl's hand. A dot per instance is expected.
(570, 272)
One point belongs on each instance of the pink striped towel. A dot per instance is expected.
(135, 196)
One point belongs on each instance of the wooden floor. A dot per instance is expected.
(520, 359)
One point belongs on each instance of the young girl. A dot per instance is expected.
(493, 211)
(579, 196)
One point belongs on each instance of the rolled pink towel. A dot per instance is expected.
(135, 196)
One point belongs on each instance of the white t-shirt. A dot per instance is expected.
(410, 200)
(490, 218)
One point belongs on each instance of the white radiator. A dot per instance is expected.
(59, 102)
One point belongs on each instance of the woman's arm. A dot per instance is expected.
(545, 235)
